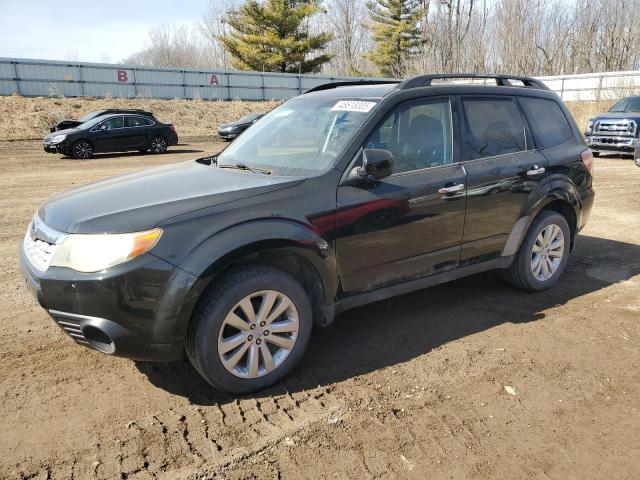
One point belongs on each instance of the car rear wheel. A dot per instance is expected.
(82, 149)
(543, 254)
(158, 144)
(251, 331)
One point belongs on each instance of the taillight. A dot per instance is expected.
(587, 160)
(172, 128)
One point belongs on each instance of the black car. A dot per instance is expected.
(112, 133)
(346, 195)
(229, 131)
(617, 130)
(66, 123)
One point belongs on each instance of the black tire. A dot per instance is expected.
(205, 327)
(596, 154)
(520, 274)
(158, 144)
(82, 149)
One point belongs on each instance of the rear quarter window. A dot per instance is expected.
(548, 123)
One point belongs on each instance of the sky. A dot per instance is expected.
(89, 30)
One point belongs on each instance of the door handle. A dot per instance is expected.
(535, 171)
(452, 189)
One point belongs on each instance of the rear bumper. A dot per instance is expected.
(173, 139)
(132, 310)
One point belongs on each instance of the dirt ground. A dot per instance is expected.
(412, 387)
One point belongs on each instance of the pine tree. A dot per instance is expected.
(396, 32)
(273, 36)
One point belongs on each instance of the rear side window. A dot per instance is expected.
(547, 121)
(493, 127)
(134, 122)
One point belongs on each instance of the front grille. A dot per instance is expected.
(38, 252)
(70, 324)
(615, 127)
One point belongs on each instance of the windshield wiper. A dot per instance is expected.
(244, 166)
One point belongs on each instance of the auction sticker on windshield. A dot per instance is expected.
(352, 106)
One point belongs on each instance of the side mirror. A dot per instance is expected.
(377, 164)
(103, 127)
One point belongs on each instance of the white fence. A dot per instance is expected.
(595, 86)
(41, 78)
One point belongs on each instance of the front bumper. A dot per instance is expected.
(228, 135)
(134, 310)
(614, 144)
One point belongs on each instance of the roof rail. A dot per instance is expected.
(329, 86)
(501, 80)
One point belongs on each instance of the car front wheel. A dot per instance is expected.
(543, 254)
(158, 145)
(82, 149)
(251, 331)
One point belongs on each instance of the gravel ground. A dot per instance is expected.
(467, 380)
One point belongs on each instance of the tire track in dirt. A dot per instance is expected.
(172, 440)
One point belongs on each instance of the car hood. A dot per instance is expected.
(141, 200)
(616, 115)
(66, 131)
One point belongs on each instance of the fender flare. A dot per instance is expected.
(214, 255)
(554, 189)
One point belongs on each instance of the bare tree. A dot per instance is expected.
(346, 19)
(174, 46)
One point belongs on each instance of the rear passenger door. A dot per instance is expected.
(134, 134)
(503, 167)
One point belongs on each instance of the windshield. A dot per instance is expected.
(629, 104)
(90, 123)
(89, 116)
(300, 137)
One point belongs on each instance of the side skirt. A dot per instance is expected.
(379, 294)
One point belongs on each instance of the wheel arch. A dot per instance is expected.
(287, 246)
(558, 195)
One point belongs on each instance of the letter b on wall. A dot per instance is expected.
(122, 75)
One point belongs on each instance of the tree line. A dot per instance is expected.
(398, 38)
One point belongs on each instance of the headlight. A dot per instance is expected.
(58, 138)
(92, 253)
(589, 127)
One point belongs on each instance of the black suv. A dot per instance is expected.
(112, 133)
(345, 195)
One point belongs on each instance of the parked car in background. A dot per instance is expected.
(229, 131)
(66, 123)
(346, 195)
(112, 133)
(617, 130)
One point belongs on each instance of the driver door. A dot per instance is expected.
(106, 136)
(405, 226)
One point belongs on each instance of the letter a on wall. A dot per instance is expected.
(122, 76)
(214, 80)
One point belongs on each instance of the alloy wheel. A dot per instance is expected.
(547, 252)
(82, 150)
(258, 334)
(158, 145)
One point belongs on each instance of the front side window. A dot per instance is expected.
(301, 136)
(111, 123)
(547, 121)
(418, 134)
(493, 127)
